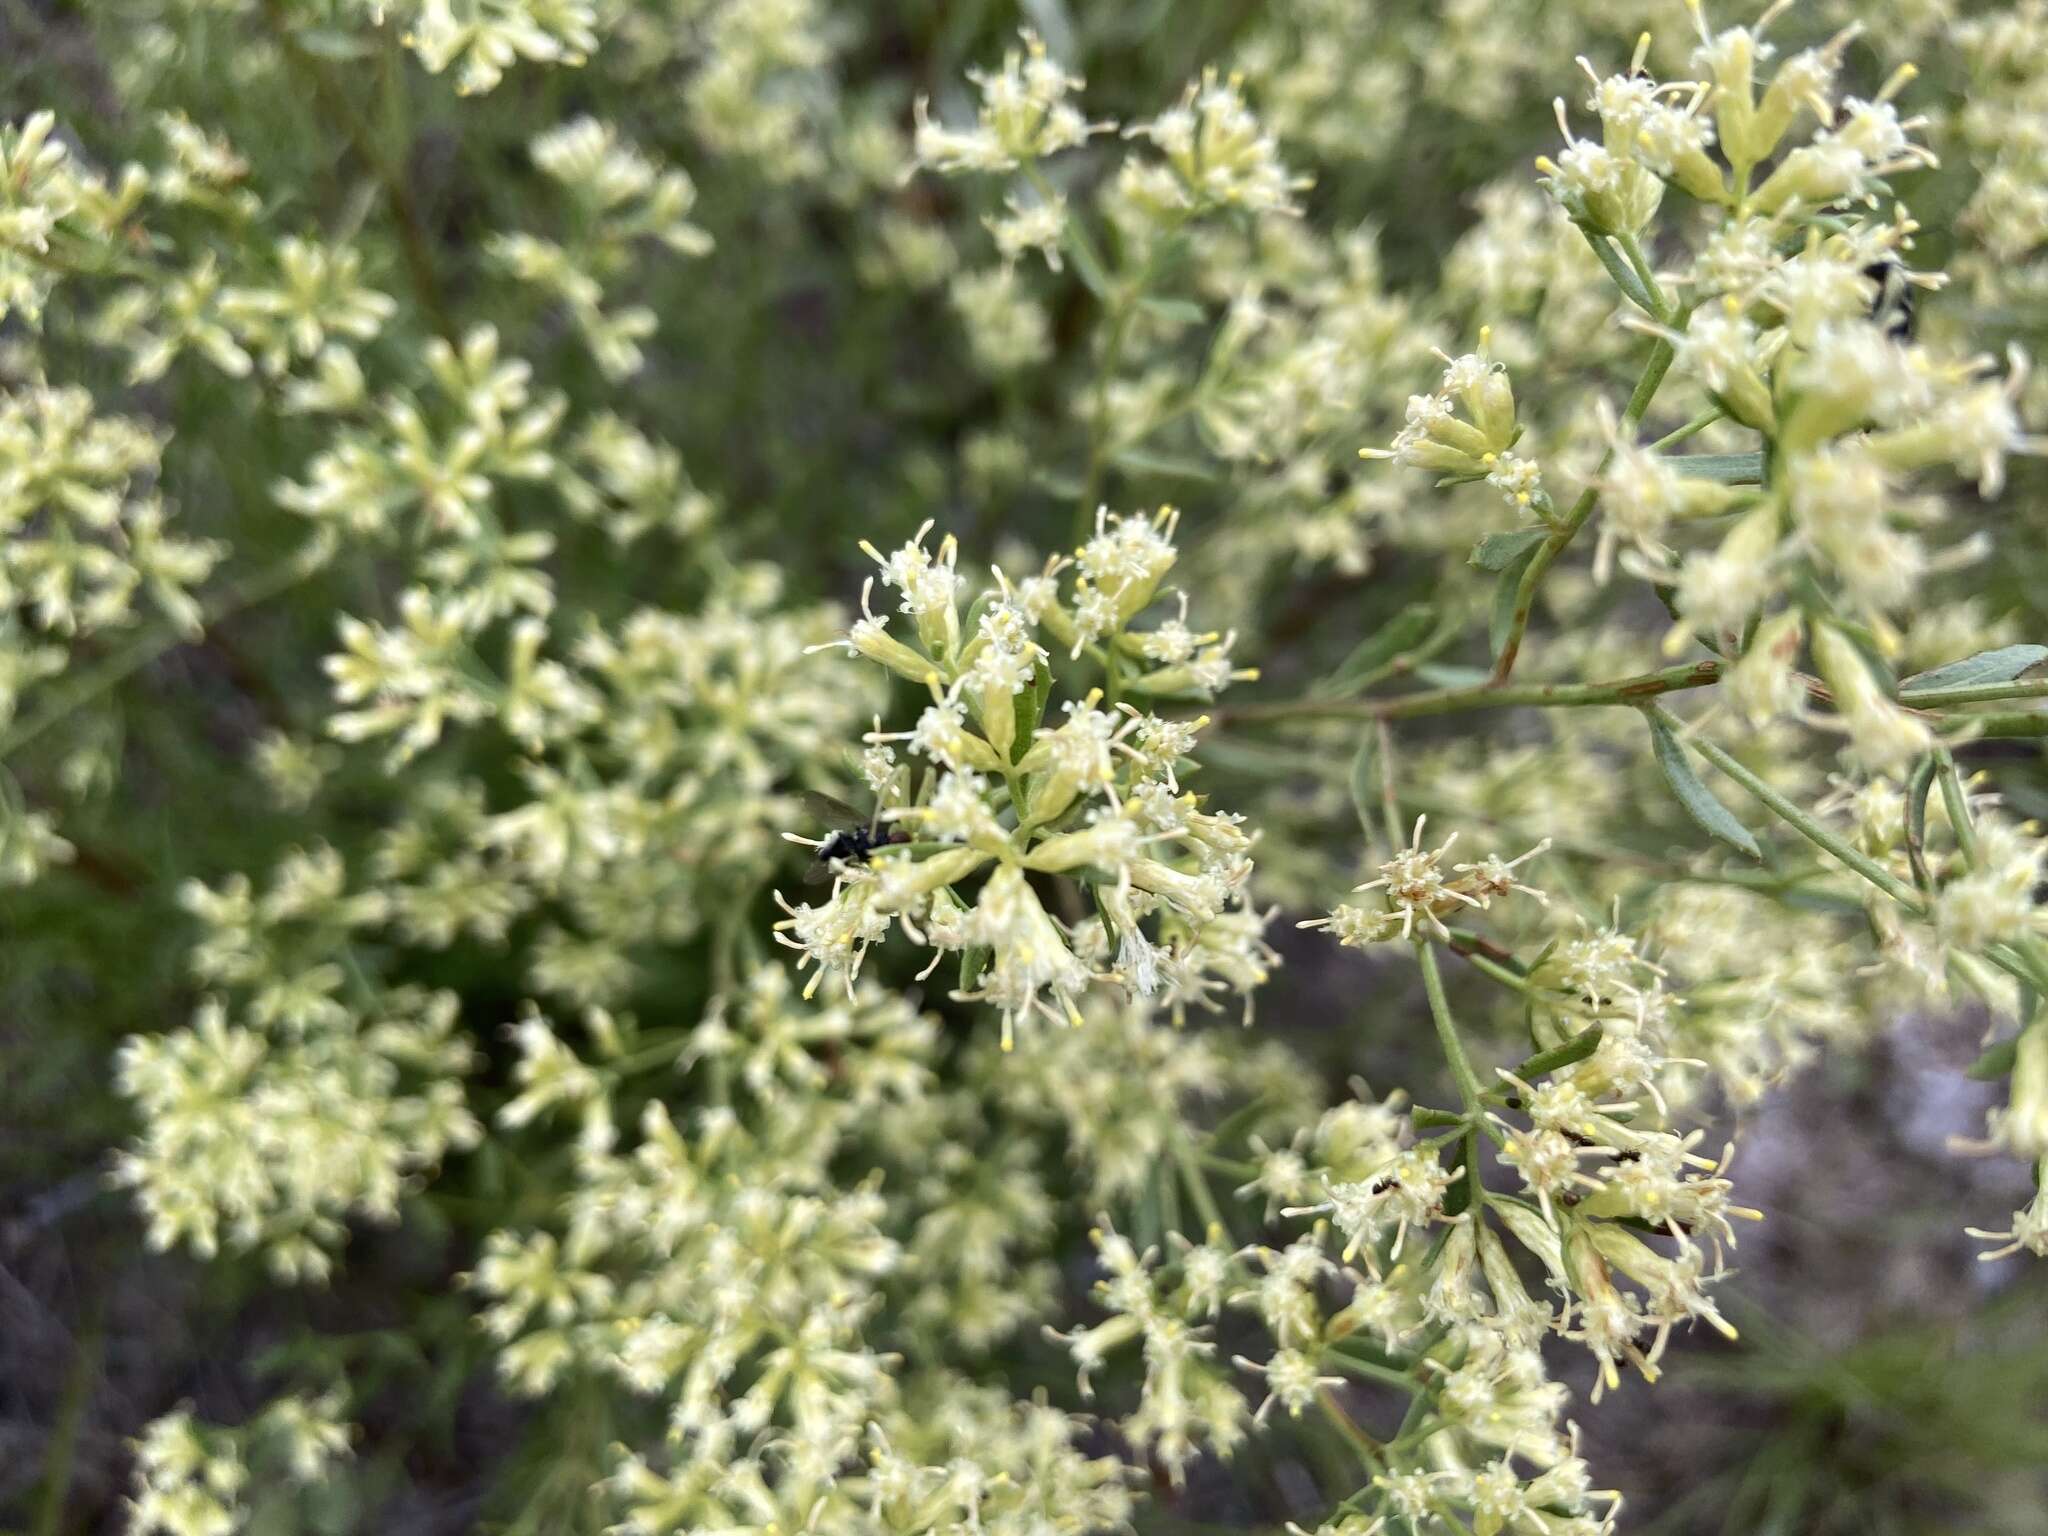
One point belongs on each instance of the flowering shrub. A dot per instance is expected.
(557, 851)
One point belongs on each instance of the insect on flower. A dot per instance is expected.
(852, 838)
(1892, 309)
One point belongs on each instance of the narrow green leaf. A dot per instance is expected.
(1176, 466)
(1994, 1063)
(1578, 1048)
(1427, 1119)
(1240, 1121)
(1722, 468)
(1619, 270)
(1030, 707)
(1365, 783)
(975, 610)
(973, 961)
(1180, 311)
(332, 43)
(1999, 666)
(1503, 616)
(1460, 1194)
(1698, 800)
(1086, 263)
(1497, 551)
(1368, 663)
(1917, 786)
(1449, 674)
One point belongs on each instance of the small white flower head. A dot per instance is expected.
(1219, 154)
(1723, 349)
(2029, 1230)
(1973, 427)
(1884, 737)
(1764, 684)
(1608, 193)
(1415, 884)
(1494, 876)
(834, 935)
(1417, 888)
(1408, 1191)
(1719, 589)
(2021, 1126)
(929, 585)
(1024, 227)
(1128, 558)
(1032, 966)
(1292, 1380)
(1025, 116)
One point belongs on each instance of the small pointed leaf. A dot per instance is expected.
(1374, 654)
(1504, 598)
(1365, 783)
(1697, 799)
(1994, 1063)
(1578, 1048)
(1999, 666)
(1497, 551)
(1722, 468)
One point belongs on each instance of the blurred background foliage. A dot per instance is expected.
(820, 390)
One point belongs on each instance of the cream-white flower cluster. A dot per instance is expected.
(515, 988)
(1789, 316)
(1003, 788)
(617, 196)
(317, 1100)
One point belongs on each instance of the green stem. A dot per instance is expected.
(1197, 1182)
(405, 209)
(1488, 695)
(1632, 248)
(1461, 1064)
(650, 1056)
(1560, 537)
(1367, 1447)
(1390, 806)
(1800, 821)
(92, 682)
(1957, 804)
(2007, 724)
(1123, 310)
(60, 1458)
(1368, 1370)
(1623, 275)
(1506, 977)
(1692, 428)
(1974, 693)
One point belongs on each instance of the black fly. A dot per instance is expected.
(1892, 310)
(851, 839)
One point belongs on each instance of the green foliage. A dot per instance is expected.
(438, 444)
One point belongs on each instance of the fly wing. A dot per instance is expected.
(832, 812)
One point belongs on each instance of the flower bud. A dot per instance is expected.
(1730, 59)
(2023, 1124)
(1492, 403)
(901, 881)
(1885, 737)
(871, 639)
(1109, 844)
(1763, 686)
(1718, 592)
